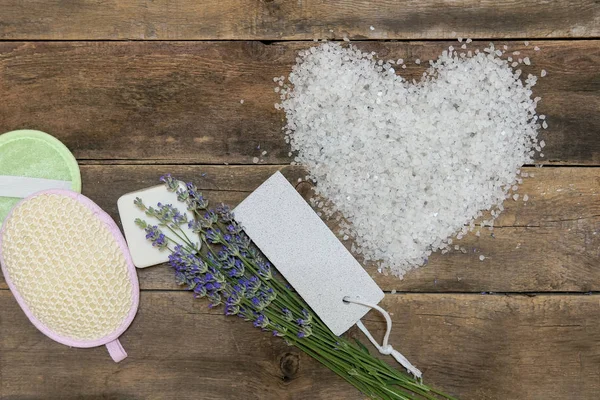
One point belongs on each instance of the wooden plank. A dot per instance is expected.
(550, 243)
(179, 102)
(277, 20)
(473, 346)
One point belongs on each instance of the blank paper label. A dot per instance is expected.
(305, 251)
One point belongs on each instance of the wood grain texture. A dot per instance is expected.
(550, 243)
(473, 346)
(179, 102)
(283, 19)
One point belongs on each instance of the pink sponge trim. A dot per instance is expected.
(114, 229)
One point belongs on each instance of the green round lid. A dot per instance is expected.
(35, 154)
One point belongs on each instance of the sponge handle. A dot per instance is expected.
(116, 351)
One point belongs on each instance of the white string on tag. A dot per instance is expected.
(23, 186)
(385, 348)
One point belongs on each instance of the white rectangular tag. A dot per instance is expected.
(305, 251)
(142, 253)
(23, 186)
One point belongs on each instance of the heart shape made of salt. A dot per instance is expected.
(409, 164)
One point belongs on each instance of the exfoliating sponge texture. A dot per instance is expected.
(67, 266)
(35, 154)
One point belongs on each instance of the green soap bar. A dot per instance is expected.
(35, 154)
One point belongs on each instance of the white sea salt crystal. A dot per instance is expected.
(255, 160)
(543, 73)
(525, 198)
(515, 197)
(399, 171)
(242, 101)
(460, 40)
(264, 153)
(372, 28)
(545, 125)
(417, 61)
(469, 40)
(542, 144)
(527, 61)
(536, 48)
(526, 43)
(481, 257)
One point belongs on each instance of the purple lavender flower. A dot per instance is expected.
(279, 330)
(214, 299)
(213, 236)
(182, 195)
(171, 183)
(305, 331)
(232, 309)
(200, 291)
(251, 284)
(157, 238)
(244, 313)
(238, 269)
(261, 321)
(287, 314)
(224, 213)
(264, 270)
(211, 216)
(243, 241)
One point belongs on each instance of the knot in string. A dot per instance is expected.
(385, 348)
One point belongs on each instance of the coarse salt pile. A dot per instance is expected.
(409, 164)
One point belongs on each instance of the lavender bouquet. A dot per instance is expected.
(223, 265)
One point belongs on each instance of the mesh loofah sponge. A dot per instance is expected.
(68, 266)
(31, 161)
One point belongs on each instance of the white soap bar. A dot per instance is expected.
(305, 251)
(142, 252)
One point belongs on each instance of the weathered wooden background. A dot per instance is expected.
(137, 88)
